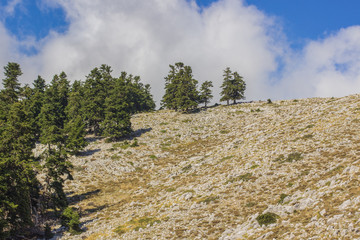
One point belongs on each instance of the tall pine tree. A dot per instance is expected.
(205, 92)
(180, 89)
(233, 87)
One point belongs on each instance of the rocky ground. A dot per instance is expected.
(213, 174)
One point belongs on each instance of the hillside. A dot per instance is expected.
(209, 175)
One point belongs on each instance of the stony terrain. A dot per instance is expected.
(209, 175)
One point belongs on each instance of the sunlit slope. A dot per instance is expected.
(211, 174)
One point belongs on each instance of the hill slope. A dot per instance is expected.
(210, 175)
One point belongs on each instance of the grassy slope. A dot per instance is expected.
(209, 175)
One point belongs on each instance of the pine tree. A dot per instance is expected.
(95, 92)
(36, 102)
(51, 116)
(75, 127)
(117, 116)
(226, 86)
(11, 83)
(233, 87)
(205, 92)
(180, 89)
(39, 84)
(57, 167)
(18, 183)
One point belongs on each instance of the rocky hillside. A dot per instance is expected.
(285, 170)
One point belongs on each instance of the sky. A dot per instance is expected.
(283, 49)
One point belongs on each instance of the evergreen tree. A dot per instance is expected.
(36, 102)
(52, 115)
(57, 167)
(138, 95)
(11, 83)
(233, 87)
(39, 84)
(18, 183)
(180, 89)
(75, 127)
(226, 86)
(117, 116)
(95, 92)
(205, 92)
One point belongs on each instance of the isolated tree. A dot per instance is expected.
(180, 89)
(205, 92)
(233, 87)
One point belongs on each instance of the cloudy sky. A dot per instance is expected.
(283, 49)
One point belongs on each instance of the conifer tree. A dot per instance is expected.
(180, 89)
(233, 87)
(205, 92)
(52, 115)
(95, 92)
(11, 83)
(18, 184)
(75, 130)
(117, 115)
(36, 102)
(57, 168)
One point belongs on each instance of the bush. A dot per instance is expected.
(71, 220)
(267, 218)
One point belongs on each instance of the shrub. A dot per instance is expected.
(269, 101)
(71, 220)
(267, 218)
(135, 143)
(282, 197)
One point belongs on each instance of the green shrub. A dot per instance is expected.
(71, 220)
(269, 101)
(282, 197)
(245, 177)
(290, 158)
(135, 143)
(267, 218)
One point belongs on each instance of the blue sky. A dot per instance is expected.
(283, 48)
(301, 19)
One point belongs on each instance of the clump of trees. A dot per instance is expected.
(233, 87)
(58, 115)
(181, 92)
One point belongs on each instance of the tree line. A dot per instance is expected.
(57, 115)
(182, 94)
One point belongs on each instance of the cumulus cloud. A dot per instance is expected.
(326, 67)
(144, 37)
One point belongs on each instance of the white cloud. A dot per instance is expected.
(144, 37)
(327, 67)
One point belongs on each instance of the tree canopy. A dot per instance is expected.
(233, 86)
(180, 89)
